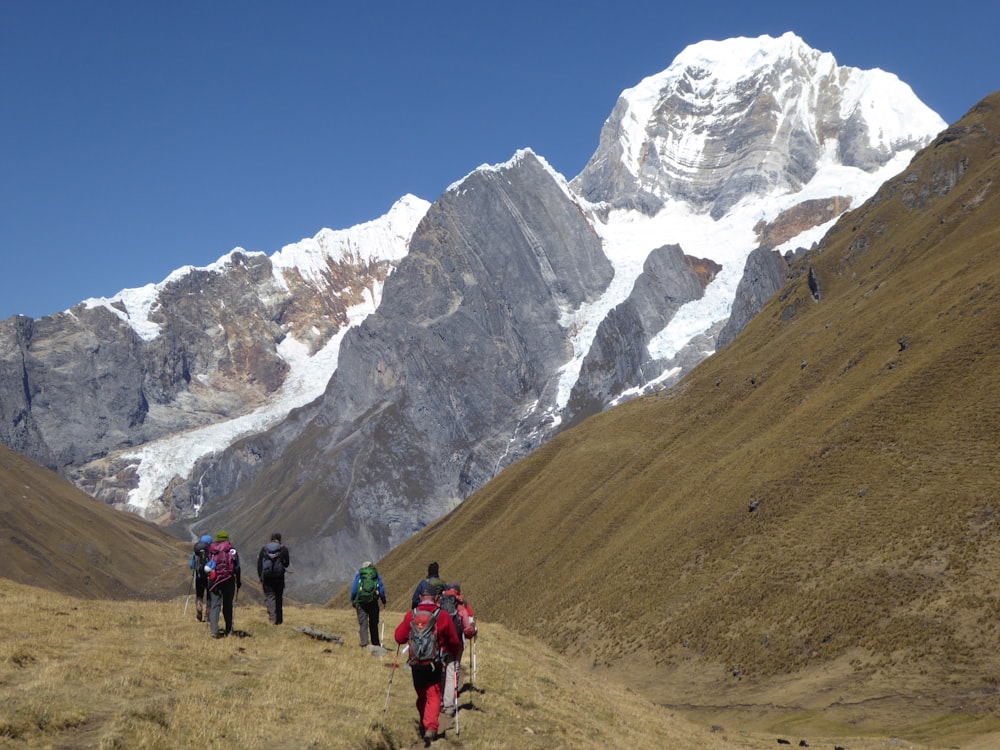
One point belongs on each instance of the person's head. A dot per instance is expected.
(276, 536)
(222, 536)
(366, 564)
(432, 570)
(455, 586)
(426, 592)
(206, 538)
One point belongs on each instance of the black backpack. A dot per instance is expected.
(200, 558)
(272, 567)
(448, 601)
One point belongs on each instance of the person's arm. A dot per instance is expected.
(402, 632)
(354, 586)
(286, 559)
(381, 589)
(260, 563)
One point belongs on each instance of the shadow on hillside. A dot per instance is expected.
(469, 690)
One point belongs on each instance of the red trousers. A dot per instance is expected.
(428, 683)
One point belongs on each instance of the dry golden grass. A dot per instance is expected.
(98, 674)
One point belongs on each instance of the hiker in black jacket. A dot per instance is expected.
(272, 562)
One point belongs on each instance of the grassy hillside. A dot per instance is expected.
(862, 427)
(82, 673)
(55, 536)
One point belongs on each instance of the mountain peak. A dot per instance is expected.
(743, 117)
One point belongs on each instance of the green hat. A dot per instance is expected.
(222, 536)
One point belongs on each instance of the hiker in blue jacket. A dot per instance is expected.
(433, 578)
(366, 593)
(197, 564)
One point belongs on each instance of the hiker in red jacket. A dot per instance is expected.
(427, 654)
(452, 601)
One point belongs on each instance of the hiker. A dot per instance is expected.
(431, 636)
(197, 564)
(433, 578)
(452, 602)
(223, 582)
(272, 562)
(366, 592)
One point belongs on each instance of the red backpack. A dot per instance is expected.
(469, 629)
(452, 602)
(222, 554)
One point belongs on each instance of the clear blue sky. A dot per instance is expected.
(138, 137)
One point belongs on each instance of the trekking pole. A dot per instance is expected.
(391, 675)
(474, 640)
(458, 672)
(187, 598)
(381, 637)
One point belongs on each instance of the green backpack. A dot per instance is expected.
(368, 587)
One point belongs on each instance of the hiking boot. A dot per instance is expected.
(199, 611)
(430, 735)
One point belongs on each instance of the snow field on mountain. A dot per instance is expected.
(159, 461)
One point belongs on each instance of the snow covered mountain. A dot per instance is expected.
(124, 394)
(358, 385)
(744, 118)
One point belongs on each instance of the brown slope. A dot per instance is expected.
(864, 427)
(54, 536)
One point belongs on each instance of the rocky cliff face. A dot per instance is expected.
(456, 371)
(355, 387)
(619, 360)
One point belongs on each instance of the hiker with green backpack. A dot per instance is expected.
(366, 593)
(433, 578)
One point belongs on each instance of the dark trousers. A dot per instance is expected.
(222, 601)
(202, 601)
(274, 592)
(368, 623)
